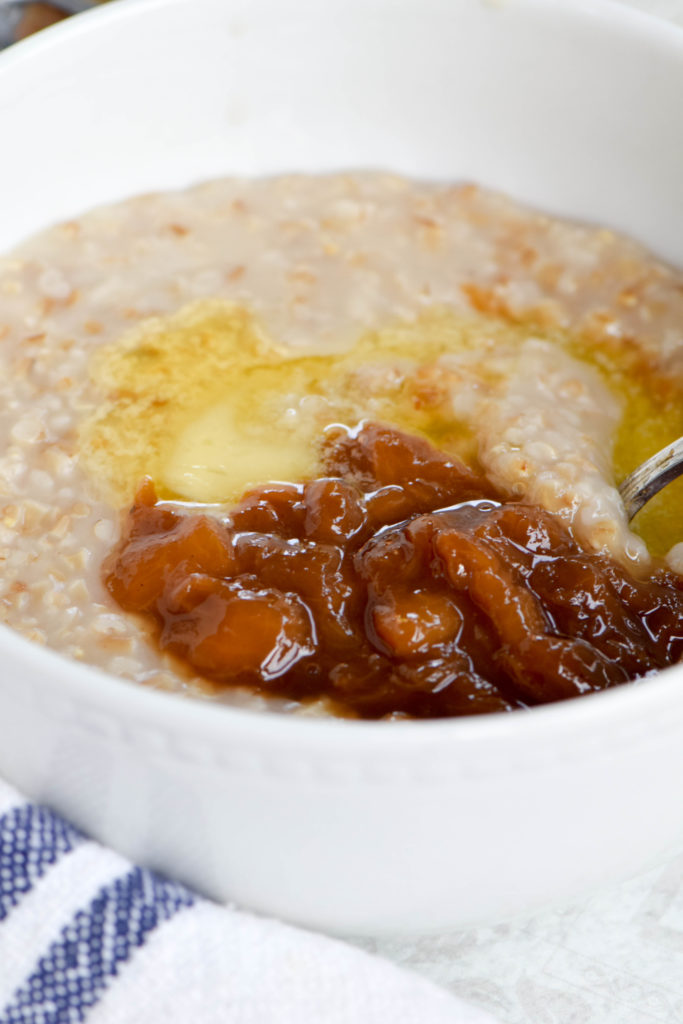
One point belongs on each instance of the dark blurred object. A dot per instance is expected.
(37, 16)
(21, 18)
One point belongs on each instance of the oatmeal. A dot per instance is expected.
(493, 331)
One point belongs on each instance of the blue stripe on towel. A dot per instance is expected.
(77, 967)
(32, 839)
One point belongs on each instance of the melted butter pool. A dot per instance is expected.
(208, 406)
(652, 418)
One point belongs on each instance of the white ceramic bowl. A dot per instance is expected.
(359, 827)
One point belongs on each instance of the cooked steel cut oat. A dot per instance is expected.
(566, 327)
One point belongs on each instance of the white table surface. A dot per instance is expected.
(614, 959)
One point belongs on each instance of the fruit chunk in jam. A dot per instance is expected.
(399, 583)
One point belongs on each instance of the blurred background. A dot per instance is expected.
(21, 18)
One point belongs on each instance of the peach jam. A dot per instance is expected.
(400, 583)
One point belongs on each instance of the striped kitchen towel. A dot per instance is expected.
(87, 936)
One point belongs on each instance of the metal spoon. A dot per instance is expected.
(649, 478)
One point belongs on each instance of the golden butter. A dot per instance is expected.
(652, 418)
(215, 458)
(205, 403)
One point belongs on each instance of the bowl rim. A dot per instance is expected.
(655, 697)
(612, 12)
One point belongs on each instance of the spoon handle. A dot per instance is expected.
(649, 478)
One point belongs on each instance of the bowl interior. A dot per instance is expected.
(567, 106)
